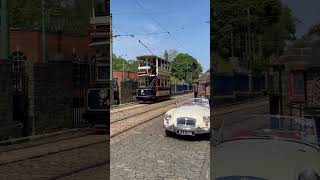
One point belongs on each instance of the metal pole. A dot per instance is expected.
(122, 71)
(280, 90)
(4, 30)
(44, 36)
(111, 56)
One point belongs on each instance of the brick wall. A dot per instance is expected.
(53, 106)
(7, 126)
(127, 75)
(30, 43)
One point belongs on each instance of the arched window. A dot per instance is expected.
(18, 61)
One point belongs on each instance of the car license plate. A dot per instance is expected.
(185, 133)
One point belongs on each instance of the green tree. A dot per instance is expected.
(268, 22)
(185, 67)
(120, 64)
(27, 14)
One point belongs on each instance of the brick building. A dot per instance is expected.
(300, 77)
(202, 85)
(29, 43)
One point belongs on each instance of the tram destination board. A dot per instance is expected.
(97, 99)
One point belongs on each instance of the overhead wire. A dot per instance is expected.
(157, 22)
(133, 36)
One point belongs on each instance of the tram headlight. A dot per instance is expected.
(206, 119)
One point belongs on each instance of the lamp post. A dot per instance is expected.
(58, 25)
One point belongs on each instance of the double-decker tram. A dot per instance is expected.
(154, 78)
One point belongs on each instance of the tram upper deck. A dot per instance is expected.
(150, 65)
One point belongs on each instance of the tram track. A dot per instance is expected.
(136, 105)
(79, 170)
(138, 111)
(52, 153)
(105, 140)
(46, 142)
(126, 108)
(96, 164)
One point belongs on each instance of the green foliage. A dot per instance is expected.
(121, 64)
(185, 68)
(223, 65)
(28, 14)
(268, 20)
(174, 80)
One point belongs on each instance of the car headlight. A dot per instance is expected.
(308, 175)
(206, 119)
(167, 117)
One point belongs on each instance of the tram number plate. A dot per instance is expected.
(185, 133)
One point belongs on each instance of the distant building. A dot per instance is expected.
(101, 37)
(202, 85)
(125, 75)
(300, 77)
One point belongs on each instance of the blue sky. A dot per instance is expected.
(184, 19)
(307, 11)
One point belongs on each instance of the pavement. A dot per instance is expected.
(143, 152)
(57, 159)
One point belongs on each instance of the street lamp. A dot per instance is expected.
(58, 24)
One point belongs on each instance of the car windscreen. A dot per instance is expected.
(267, 127)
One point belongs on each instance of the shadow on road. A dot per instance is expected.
(202, 137)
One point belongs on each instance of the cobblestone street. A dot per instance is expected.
(149, 154)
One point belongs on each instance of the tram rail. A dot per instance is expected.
(155, 115)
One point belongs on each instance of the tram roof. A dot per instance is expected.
(149, 57)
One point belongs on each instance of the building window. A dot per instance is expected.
(18, 61)
(100, 8)
(297, 82)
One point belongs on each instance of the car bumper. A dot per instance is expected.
(194, 130)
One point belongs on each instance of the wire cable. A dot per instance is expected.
(168, 32)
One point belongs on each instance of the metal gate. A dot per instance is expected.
(316, 91)
(20, 102)
(81, 80)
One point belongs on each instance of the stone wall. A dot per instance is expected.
(8, 128)
(53, 103)
(127, 91)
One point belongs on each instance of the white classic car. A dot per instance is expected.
(266, 148)
(190, 117)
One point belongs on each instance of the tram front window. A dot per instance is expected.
(142, 82)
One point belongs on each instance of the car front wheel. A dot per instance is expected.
(169, 133)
